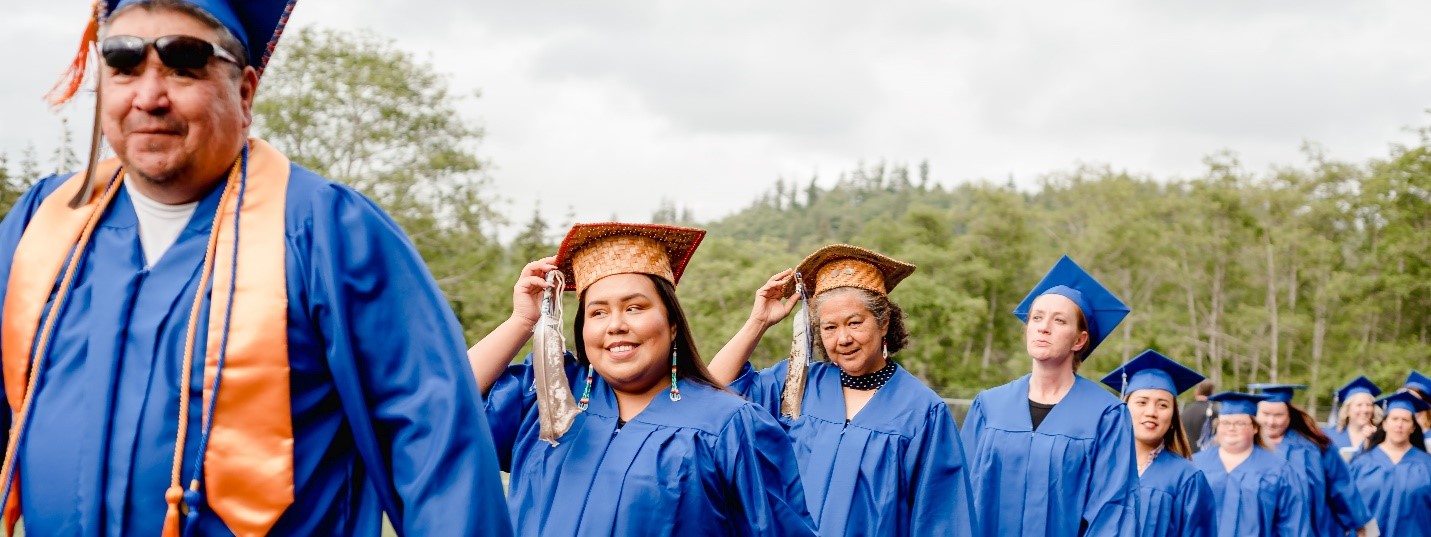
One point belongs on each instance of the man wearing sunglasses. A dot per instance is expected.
(201, 338)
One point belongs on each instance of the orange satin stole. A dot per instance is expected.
(248, 467)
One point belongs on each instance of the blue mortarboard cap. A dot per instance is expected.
(1419, 381)
(1358, 385)
(1152, 370)
(1237, 403)
(1101, 309)
(1403, 400)
(1276, 393)
(256, 23)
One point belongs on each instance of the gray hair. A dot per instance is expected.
(886, 313)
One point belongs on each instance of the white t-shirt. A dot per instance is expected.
(159, 224)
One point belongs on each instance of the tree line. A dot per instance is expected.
(1310, 272)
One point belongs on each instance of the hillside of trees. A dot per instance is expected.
(1309, 273)
(1312, 272)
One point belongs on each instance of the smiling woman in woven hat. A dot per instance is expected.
(658, 448)
(879, 452)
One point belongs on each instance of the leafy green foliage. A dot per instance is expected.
(1311, 273)
(354, 108)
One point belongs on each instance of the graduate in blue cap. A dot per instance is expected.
(879, 451)
(202, 338)
(657, 447)
(1394, 473)
(1051, 453)
(1420, 386)
(1355, 417)
(1291, 433)
(1173, 496)
(1257, 493)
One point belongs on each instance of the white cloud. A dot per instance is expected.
(608, 107)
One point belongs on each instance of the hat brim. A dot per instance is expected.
(680, 244)
(892, 270)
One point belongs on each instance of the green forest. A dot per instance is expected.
(1311, 272)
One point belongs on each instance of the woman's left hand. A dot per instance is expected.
(771, 306)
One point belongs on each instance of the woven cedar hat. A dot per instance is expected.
(591, 252)
(843, 265)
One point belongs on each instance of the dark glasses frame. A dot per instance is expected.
(176, 51)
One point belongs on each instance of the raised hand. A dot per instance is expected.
(527, 293)
(771, 306)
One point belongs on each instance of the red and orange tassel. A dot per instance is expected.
(70, 82)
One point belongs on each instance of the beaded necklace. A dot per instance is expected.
(872, 381)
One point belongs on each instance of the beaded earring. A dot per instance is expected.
(675, 388)
(586, 394)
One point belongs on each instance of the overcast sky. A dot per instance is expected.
(609, 106)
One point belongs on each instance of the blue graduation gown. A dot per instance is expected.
(1399, 494)
(896, 469)
(709, 464)
(1341, 438)
(1336, 505)
(1262, 497)
(1076, 475)
(386, 414)
(1174, 499)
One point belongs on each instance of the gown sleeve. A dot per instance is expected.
(506, 405)
(398, 359)
(766, 495)
(942, 502)
(762, 387)
(1199, 507)
(512, 397)
(17, 218)
(973, 423)
(1343, 498)
(1112, 507)
(1294, 519)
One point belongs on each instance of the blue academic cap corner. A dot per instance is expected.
(1419, 381)
(1101, 308)
(1277, 393)
(1358, 385)
(1231, 403)
(1405, 401)
(1152, 370)
(256, 23)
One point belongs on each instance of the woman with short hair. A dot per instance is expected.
(1051, 453)
(878, 450)
(1257, 493)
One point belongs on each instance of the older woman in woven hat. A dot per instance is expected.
(659, 448)
(879, 452)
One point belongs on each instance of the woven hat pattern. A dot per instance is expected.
(843, 265)
(591, 252)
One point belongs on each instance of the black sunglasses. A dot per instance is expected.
(176, 51)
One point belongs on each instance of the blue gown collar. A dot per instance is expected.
(662, 412)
